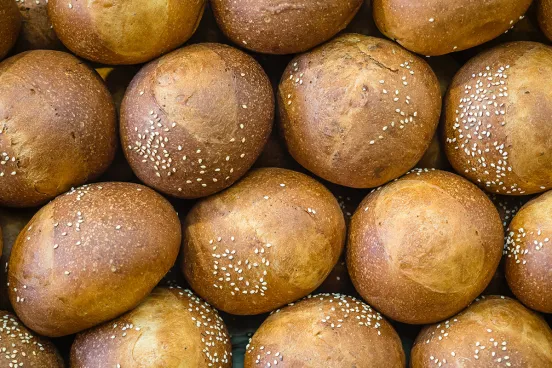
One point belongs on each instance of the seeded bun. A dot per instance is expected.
(280, 27)
(22, 348)
(497, 119)
(529, 254)
(59, 127)
(90, 255)
(9, 27)
(438, 27)
(545, 17)
(423, 247)
(37, 32)
(171, 328)
(331, 331)
(342, 117)
(268, 240)
(194, 121)
(124, 32)
(493, 332)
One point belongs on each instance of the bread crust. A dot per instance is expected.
(37, 32)
(10, 26)
(544, 13)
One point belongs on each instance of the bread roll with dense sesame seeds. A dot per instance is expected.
(495, 331)
(545, 17)
(171, 328)
(37, 32)
(90, 255)
(57, 126)
(10, 26)
(438, 27)
(330, 331)
(498, 130)
(358, 111)
(194, 121)
(528, 254)
(423, 247)
(124, 31)
(268, 240)
(283, 26)
(20, 347)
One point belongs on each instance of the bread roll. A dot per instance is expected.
(9, 26)
(497, 119)
(90, 255)
(22, 348)
(124, 31)
(171, 328)
(58, 129)
(268, 240)
(438, 27)
(37, 32)
(423, 247)
(493, 332)
(358, 111)
(194, 121)
(330, 331)
(545, 17)
(528, 253)
(282, 27)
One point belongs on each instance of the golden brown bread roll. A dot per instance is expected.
(171, 328)
(528, 254)
(438, 27)
(124, 31)
(497, 119)
(9, 26)
(37, 32)
(423, 247)
(545, 16)
(358, 111)
(90, 255)
(194, 121)
(268, 240)
(282, 26)
(20, 347)
(325, 330)
(495, 331)
(58, 127)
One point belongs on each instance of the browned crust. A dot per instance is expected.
(9, 27)
(37, 32)
(545, 17)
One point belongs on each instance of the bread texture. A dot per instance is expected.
(495, 331)
(438, 27)
(358, 111)
(57, 127)
(268, 240)
(124, 31)
(283, 27)
(498, 130)
(10, 26)
(194, 121)
(91, 255)
(171, 328)
(545, 17)
(423, 247)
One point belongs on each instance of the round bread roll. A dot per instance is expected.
(90, 255)
(58, 127)
(495, 331)
(329, 330)
(423, 247)
(438, 27)
(21, 348)
(358, 111)
(268, 240)
(124, 31)
(528, 253)
(545, 17)
(37, 32)
(194, 121)
(171, 328)
(283, 27)
(10, 26)
(497, 119)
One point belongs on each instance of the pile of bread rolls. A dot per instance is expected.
(275, 183)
